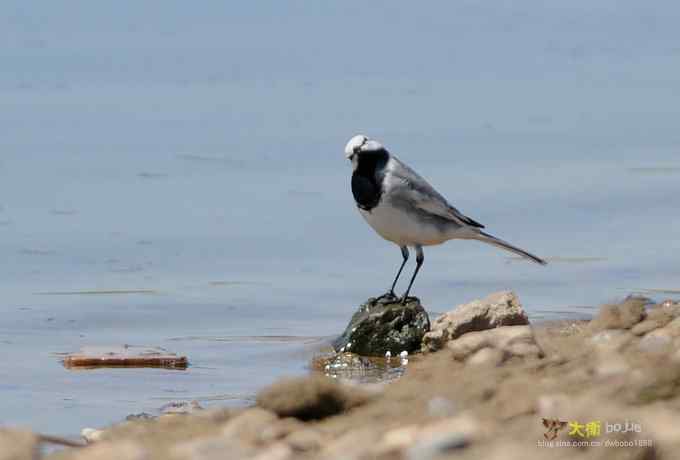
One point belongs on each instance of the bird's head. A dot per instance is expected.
(362, 145)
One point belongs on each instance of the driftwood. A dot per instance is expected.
(126, 356)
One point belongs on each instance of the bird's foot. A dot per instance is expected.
(389, 296)
(406, 299)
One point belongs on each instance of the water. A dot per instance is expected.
(193, 156)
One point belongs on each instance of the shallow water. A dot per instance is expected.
(180, 182)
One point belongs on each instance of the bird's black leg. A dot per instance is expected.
(419, 261)
(404, 254)
(390, 293)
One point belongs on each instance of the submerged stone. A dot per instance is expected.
(384, 325)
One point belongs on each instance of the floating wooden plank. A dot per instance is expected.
(125, 356)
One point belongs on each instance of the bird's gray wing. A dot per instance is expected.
(409, 187)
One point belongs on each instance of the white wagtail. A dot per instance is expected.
(405, 209)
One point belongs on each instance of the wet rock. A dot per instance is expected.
(310, 398)
(140, 416)
(181, 407)
(495, 310)
(510, 340)
(383, 324)
(624, 315)
(18, 445)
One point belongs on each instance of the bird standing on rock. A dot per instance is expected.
(405, 209)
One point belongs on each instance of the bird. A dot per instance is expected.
(402, 207)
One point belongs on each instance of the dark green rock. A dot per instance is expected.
(383, 324)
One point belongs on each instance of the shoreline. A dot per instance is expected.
(613, 382)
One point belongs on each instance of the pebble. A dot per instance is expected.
(91, 434)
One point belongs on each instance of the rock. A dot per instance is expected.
(212, 448)
(396, 440)
(487, 357)
(277, 451)
(119, 450)
(620, 316)
(349, 446)
(18, 445)
(249, 424)
(309, 398)
(495, 310)
(658, 341)
(307, 439)
(91, 435)
(610, 340)
(361, 369)
(441, 438)
(180, 407)
(511, 340)
(440, 407)
(383, 324)
(279, 430)
(672, 329)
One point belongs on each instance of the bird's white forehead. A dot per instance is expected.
(356, 141)
(364, 143)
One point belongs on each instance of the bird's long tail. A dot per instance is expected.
(486, 238)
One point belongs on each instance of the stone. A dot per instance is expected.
(119, 450)
(511, 340)
(658, 341)
(181, 407)
(304, 440)
(18, 445)
(672, 329)
(277, 451)
(441, 407)
(383, 324)
(279, 430)
(487, 357)
(396, 440)
(350, 446)
(624, 315)
(212, 448)
(249, 424)
(495, 310)
(441, 438)
(610, 340)
(92, 435)
(310, 398)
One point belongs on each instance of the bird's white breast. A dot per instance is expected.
(401, 227)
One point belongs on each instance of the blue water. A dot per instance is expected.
(195, 152)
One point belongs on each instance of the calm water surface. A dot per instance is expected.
(191, 158)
